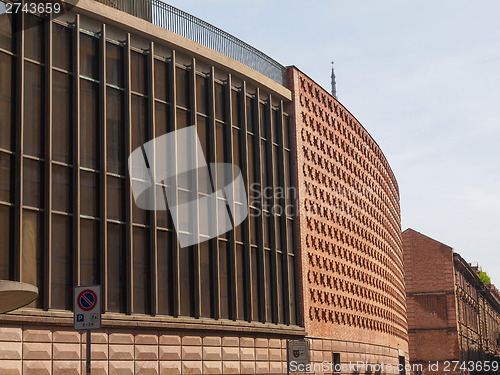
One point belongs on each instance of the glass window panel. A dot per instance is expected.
(222, 207)
(186, 224)
(206, 280)
(138, 72)
(162, 84)
(62, 273)
(89, 252)
(61, 188)
(139, 137)
(236, 108)
(237, 160)
(254, 226)
(220, 102)
(162, 119)
(251, 161)
(139, 216)
(268, 220)
(5, 243)
(291, 283)
(286, 132)
(5, 99)
(183, 119)
(263, 168)
(271, 193)
(5, 28)
(279, 220)
(62, 117)
(269, 286)
(62, 51)
(281, 313)
(32, 183)
(33, 110)
(240, 282)
(289, 239)
(288, 182)
(165, 272)
(88, 195)
(114, 64)
(6, 171)
(250, 115)
(255, 285)
(273, 125)
(33, 37)
(203, 136)
(186, 281)
(221, 156)
(139, 121)
(276, 171)
(115, 198)
(276, 125)
(182, 88)
(89, 125)
(115, 132)
(89, 62)
(238, 231)
(221, 147)
(207, 222)
(142, 272)
(224, 279)
(31, 254)
(164, 220)
(264, 127)
(202, 95)
(117, 269)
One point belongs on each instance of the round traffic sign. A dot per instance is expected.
(87, 300)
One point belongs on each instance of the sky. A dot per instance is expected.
(422, 77)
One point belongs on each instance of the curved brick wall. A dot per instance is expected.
(349, 224)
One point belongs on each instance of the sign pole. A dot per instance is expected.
(88, 350)
(87, 316)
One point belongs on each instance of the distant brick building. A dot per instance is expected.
(452, 315)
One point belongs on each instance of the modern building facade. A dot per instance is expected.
(319, 256)
(452, 315)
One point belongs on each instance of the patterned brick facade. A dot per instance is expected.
(349, 224)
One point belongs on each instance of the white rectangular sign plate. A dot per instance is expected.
(87, 307)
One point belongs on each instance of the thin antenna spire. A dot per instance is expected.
(334, 84)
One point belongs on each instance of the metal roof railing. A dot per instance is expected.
(197, 30)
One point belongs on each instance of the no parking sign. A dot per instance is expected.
(87, 307)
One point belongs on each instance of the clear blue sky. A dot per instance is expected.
(422, 77)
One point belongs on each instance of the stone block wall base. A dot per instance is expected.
(36, 350)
